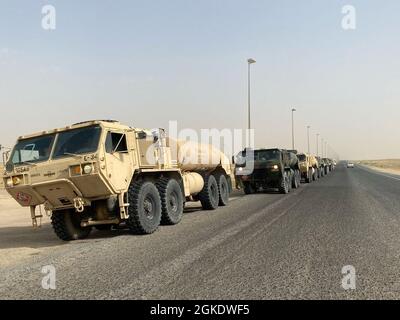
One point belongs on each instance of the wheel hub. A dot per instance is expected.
(173, 202)
(148, 208)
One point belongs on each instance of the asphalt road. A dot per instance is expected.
(263, 246)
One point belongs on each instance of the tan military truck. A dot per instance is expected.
(308, 167)
(102, 174)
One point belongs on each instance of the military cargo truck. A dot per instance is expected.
(308, 167)
(103, 174)
(326, 165)
(315, 165)
(331, 164)
(264, 169)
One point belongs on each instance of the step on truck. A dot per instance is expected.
(103, 174)
(265, 169)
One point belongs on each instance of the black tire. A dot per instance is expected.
(171, 201)
(314, 176)
(67, 225)
(298, 177)
(103, 227)
(209, 196)
(284, 188)
(295, 181)
(144, 208)
(223, 190)
(248, 188)
(308, 178)
(290, 181)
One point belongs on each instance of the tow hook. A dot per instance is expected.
(79, 205)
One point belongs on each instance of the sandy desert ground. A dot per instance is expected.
(388, 165)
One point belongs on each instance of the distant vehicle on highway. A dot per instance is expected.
(350, 165)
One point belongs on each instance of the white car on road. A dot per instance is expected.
(350, 165)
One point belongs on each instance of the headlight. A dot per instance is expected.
(16, 181)
(87, 169)
(240, 169)
(9, 183)
(76, 170)
(275, 167)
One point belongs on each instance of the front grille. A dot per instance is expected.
(259, 174)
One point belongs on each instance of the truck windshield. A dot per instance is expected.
(77, 141)
(265, 155)
(302, 157)
(32, 150)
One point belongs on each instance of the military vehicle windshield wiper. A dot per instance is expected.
(29, 163)
(72, 154)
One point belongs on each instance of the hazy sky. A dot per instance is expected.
(148, 62)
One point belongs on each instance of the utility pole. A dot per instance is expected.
(249, 63)
(293, 111)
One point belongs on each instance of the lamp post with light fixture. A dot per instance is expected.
(293, 111)
(249, 63)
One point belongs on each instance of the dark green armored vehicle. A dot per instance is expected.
(265, 169)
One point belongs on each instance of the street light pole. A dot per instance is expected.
(308, 138)
(317, 144)
(293, 111)
(249, 63)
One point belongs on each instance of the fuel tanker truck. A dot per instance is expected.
(104, 174)
(264, 169)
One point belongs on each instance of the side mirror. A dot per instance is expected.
(142, 135)
(6, 155)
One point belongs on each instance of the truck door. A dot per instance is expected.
(118, 160)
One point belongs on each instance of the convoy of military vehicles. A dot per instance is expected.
(102, 174)
(278, 169)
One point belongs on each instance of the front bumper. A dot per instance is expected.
(60, 193)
